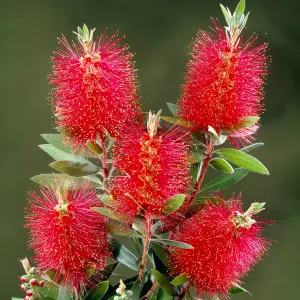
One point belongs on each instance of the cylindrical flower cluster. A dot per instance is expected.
(66, 234)
(95, 88)
(227, 242)
(152, 167)
(224, 84)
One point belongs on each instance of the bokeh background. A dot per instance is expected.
(159, 32)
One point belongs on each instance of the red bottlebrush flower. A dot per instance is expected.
(227, 243)
(154, 168)
(96, 87)
(66, 234)
(224, 84)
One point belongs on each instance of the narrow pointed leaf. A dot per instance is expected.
(177, 121)
(240, 9)
(196, 157)
(57, 154)
(138, 287)
(238, 289)
(222, 165)
(118, 228)
(252, 147)
(243, 160)
(182, 278)
(95, 147)
(213, 133)
(65, 292)
(163, 282)
(108, 270)
(76, 169)
(247, 121)
(226, 180)
(99, 291)
(173, 109)
(57, 140)
(161, 253)
(123, 255)
(225, 13)
(173, 243)
(173, 203)
(110, 214)
(161, 295)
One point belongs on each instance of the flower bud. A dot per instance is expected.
(23, 279)
(29, 293)
(23, 287)
(41, 284)
(26, 264)
(33, 282)
(153, 122)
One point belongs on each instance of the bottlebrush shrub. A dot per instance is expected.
(135, 195)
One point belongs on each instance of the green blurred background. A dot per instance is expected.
(159, 32)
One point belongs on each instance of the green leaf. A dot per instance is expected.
(118, 228)
(75, 169)
(65, 292)
(173, 109)
(106, 199)
(177, 121)
(99, 291)
(138, 287)
(243, 160)
(161, 295)
(222, 165)
(109, 269)
(173, 243)
(123, 255)
(240, 10)
(139, 225)
(161, 253)
(182, 278)
(90, 270)
(238, 289)
(226, 180)
(247, 121)
(47, 298)
(54, 276)
(213, 133)
(163, 282)
(52, 180)
(173, 203)
(57, 140)
(225, 13)
(252, 147)
(94, 147)
(57, 154)
(222, 139)
(110, 214)
(152, 297)
(196, 157)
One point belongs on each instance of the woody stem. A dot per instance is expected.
(146, 247)
(202, 170)
(104, 160)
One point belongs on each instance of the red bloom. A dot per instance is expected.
(66, 234)
(153, 169)
(227, 243)
(96, 89)
(224, 84)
